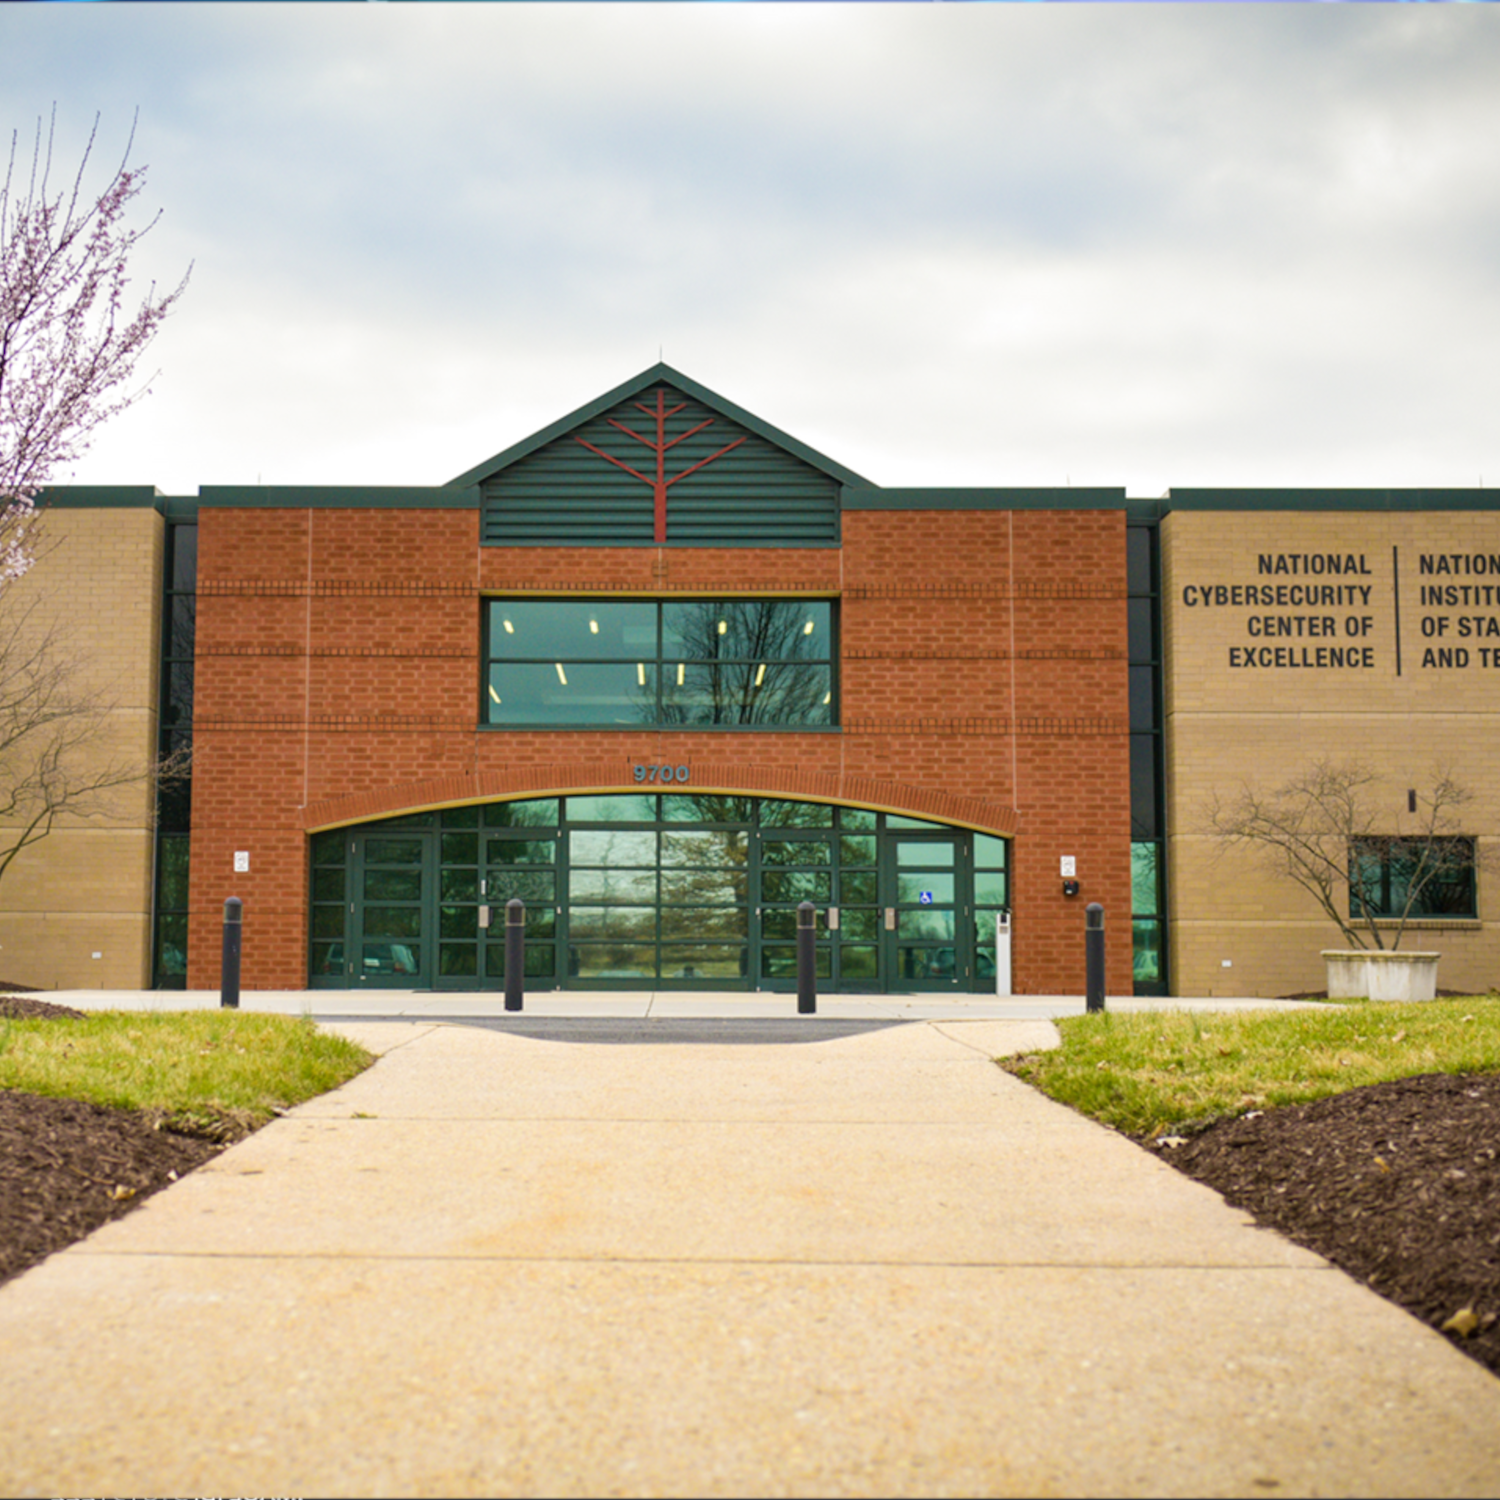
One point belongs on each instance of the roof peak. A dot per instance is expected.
(665, 374)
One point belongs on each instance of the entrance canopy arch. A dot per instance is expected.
(618, 774)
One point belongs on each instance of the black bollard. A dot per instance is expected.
(1093, 953)
(515, 952)
(229, 974)
(807, 981)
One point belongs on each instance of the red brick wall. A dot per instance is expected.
(983, 680)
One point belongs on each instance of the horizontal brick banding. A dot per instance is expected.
(986, 591)
(999, 727)
(1061, 654)
(415, 651)
(302, 588)
(286, 724)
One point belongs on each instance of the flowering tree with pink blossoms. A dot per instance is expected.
(68, 348)
(68, 342)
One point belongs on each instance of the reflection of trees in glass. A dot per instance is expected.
(643, 697)
(1390, 876)
(761, 667)
(708, 807)
(1143, 879)
(705, 869)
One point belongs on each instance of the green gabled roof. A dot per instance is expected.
(659, 374)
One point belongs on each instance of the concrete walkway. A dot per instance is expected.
(644, 1004)
(840, 1257)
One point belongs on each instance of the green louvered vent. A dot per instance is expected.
(723, 486)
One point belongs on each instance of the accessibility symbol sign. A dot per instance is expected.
(925, 898)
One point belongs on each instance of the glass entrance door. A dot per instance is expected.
(524, 867)
(390, 938)
(663, 905)
(926, 942)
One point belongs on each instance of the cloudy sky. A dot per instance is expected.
(974, 245)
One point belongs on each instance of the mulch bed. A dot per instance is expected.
(67, 1167)
(1398, 1184)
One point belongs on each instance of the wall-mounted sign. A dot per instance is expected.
(1356, 625)
(241, 861)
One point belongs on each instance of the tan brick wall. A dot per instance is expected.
(1401, 706)
(86, 888)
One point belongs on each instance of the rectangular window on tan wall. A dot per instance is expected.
(1392, 877)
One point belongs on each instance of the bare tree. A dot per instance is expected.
(67, 346)
(55, 759)
(1372, 861)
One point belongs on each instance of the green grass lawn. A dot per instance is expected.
(192, 1064)
(1146, 1074)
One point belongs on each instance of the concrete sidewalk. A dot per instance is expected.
(862, 1261)
(645, 1004)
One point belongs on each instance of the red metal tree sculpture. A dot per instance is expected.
(659, 445)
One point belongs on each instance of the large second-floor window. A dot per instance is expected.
(690, 663)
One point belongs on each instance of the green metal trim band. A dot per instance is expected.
(339, 497)
(1330, 499)
(101, 497)
(851, 498)
(256, 496)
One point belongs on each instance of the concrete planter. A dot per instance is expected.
(1381, 976)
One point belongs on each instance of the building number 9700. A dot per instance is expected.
(661, 773)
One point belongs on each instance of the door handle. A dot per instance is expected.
(484, 916)
(890, 919)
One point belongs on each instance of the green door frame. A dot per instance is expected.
(895, 906)
(546, 915)
(386, 958)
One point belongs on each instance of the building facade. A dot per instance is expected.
(663, 672)
(1346, 627)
